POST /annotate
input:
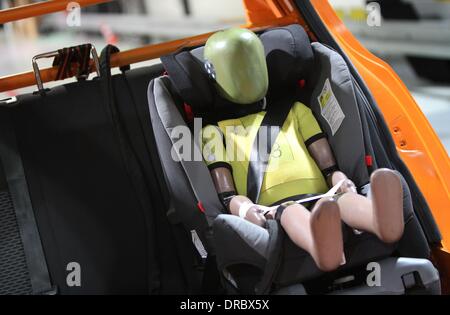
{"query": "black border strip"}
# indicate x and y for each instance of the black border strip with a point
(314, 138)
(220, 164)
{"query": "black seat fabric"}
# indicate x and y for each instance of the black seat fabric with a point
(14, 275)
(291, 59)
(90, 198)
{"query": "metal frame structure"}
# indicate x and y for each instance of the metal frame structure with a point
(41, 8)
(275, 15)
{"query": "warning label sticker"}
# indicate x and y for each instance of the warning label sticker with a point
(330, 108)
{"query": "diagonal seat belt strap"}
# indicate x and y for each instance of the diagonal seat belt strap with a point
(15, 176)
(263, 143)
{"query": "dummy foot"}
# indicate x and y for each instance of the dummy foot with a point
(387, 198)
(327, 243)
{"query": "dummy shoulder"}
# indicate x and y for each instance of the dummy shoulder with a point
(300, 109)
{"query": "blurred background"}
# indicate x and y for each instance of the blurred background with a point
(413, 36)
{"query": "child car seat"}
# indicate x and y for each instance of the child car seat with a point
(256, 260)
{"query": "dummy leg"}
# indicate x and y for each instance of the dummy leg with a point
(318, 232)
(383, 215)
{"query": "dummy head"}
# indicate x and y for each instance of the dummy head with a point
(235, 59)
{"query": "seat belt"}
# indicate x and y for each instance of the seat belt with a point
(272, 122)
(18, 188)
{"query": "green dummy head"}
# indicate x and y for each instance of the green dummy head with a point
(236, 60)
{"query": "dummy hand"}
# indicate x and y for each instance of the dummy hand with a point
(255, 214)
(347, 186)
(243, 207)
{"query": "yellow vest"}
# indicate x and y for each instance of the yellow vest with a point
(291, 170)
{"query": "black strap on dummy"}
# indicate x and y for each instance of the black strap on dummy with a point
(276, 115)
(18, 188)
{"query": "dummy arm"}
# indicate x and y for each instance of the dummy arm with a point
(323, 156)
(224, 183)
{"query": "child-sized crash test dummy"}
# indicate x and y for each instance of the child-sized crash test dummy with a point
(304, 162)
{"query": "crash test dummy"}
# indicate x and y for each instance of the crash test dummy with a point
(303, 164)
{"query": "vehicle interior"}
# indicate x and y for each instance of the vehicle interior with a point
(87, 176)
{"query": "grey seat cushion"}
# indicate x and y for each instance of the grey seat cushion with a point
(240, 241)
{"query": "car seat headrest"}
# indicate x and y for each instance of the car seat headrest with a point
(289, 56)
(189, 79)
(289, 59)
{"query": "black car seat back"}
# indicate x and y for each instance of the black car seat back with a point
(92, 185)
